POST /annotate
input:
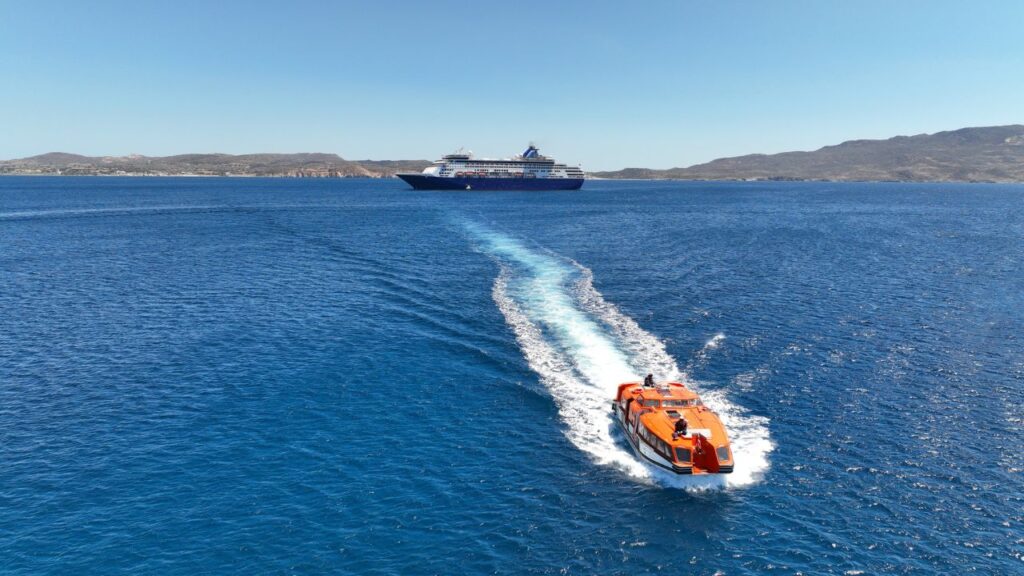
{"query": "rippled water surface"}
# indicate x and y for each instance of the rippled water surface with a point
(208, 376)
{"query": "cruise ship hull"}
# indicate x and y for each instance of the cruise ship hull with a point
(426, 182)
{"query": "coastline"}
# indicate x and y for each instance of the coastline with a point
(599, 179)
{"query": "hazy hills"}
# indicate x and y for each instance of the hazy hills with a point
(990, 154)
(297, 165)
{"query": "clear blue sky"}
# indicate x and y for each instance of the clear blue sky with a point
(604, 84)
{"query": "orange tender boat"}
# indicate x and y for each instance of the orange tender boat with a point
(670, 427)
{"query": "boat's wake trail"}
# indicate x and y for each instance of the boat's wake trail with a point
(583, 347)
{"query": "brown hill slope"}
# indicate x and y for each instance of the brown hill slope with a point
(989, 154)
(304, 164)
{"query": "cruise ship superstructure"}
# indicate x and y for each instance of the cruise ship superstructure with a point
(528, 171)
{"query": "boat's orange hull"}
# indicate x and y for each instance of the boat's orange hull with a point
(653, 418)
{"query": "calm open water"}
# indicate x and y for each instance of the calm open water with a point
(208, 376)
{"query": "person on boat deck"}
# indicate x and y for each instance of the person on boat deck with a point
(649, 381)
(680, 428)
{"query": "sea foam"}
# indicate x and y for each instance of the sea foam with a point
(583, 347)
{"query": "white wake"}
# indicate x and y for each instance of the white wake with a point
(583, 347)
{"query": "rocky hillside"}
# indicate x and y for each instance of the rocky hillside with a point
(297, 165)
(990, 154)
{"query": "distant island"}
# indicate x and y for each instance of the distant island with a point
(282, 165)
(988, 154)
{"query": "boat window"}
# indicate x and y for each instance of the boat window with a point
(659, 445)
(677, 403)
(723, 453)
(683, 454)
(649, 402)
(666, 449)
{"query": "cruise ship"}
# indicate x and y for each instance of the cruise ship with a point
(528, 171)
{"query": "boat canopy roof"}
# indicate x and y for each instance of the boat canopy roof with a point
(673, 390)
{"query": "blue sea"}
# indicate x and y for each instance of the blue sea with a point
(283, 376)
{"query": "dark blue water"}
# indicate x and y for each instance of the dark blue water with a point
(208, 376)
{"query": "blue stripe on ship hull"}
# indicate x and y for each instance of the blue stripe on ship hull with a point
(421, 182)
